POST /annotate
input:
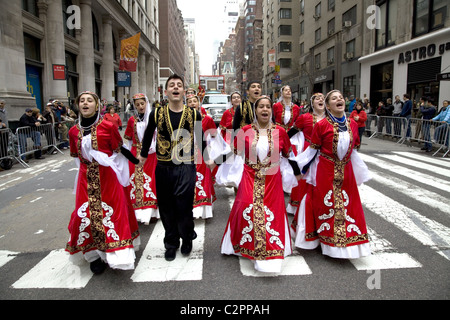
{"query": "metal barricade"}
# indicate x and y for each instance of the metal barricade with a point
(441, 137)
(7, 154)
(388, 126)
(35, 140)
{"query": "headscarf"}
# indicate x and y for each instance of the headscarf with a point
(141, 125)
(255, 118)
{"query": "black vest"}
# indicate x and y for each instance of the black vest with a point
(175, 144)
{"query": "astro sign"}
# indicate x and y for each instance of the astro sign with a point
(423, 52)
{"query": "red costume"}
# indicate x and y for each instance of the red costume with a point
(142, 189)
(103, 222)
(204, 186)
(258, 225)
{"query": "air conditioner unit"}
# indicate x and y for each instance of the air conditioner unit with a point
(317, 66)
(330, 61)
(349, 55)
(347, 24)
(316, 17)
(330, 32)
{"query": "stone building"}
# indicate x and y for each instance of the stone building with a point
(55, 49)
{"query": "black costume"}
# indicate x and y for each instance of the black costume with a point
(175, 172)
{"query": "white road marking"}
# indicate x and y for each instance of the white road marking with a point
(438, 161)
(426, 231)
(293, 265)
(428, 198)
(6, 256)
(384, 256)
(57, 272)
(418, 164)
(412, 174)
(153, 267)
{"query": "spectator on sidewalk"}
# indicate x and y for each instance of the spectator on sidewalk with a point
(439, 132)
(27, 120)
(360, 116)
(428, 111)
(113, 117)
(406, 113)
(3, 115)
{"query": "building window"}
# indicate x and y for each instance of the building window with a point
(285, 30)
(331, 26)
(318, 35)
(285, 47)
(429, 15)
(32, 47)
(317, 58)
(285, 63)
(95, 34)
(350, 86)
(31, 7)
(349, 18)
(330, 56)
(387, 34)
(285, 14)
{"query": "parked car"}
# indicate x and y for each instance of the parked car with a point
(216, 104)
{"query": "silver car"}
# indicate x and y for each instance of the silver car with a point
(215, 105)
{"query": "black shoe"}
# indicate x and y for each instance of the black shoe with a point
(98, 266)
(424, 148)
(170, 254)
(186, 247)
(40, 158)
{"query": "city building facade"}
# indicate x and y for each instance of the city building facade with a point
(407, 51)
(172, 40)
(55, 49)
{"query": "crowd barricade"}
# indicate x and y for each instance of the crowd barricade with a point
(7, 151)
(394, 127)
(32, 140)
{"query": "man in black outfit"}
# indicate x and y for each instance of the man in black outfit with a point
(175, 172)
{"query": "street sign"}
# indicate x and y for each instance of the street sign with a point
(124, 79)
(443, 76)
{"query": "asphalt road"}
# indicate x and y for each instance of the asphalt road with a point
(406, 207)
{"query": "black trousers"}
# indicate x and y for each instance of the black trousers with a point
(175, 189)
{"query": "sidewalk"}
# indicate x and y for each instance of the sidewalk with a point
(386, 144)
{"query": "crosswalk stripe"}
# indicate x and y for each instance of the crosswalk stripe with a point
(429, 198)
(418, 164)
(55, 271)
(437, 161)
(384, 256)
(6, 256)
(426, 231)
(154, 268)
(293, 265)
(412, 174)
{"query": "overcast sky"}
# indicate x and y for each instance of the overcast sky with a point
(209, 30)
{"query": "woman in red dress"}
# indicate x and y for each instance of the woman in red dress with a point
(285, 114)
(335, 172)
(258, 224)
(226, 123)
(103, 226)
(142, 189)
(204, 186)
(303, 225)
